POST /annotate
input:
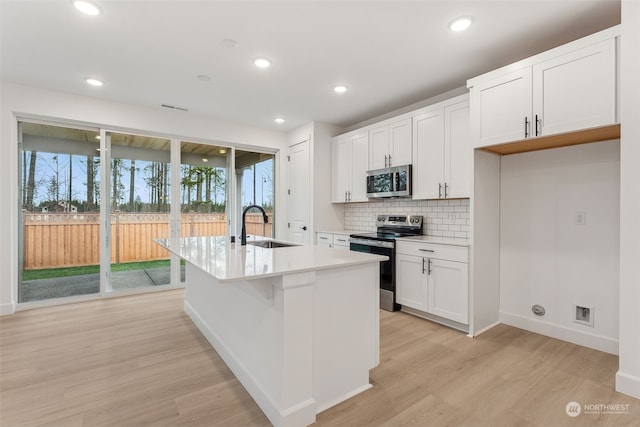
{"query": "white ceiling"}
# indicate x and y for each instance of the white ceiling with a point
(390, 53)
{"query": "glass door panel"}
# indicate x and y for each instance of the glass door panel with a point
(59, 190)
(203, 189)
(254, 184)
(139, 188)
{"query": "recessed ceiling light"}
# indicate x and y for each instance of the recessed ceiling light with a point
(205, 160)
(97, 136)
(93, 82)
(262, 62)
(279, 120)
(461, 23)
(222, 151)
(87, 7)
(340, 88)
(204, 78)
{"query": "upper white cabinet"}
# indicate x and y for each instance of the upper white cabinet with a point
(576, 90)
(570, 88)
(349, 165)
(502, 108)
(442, 151)
(390, 144)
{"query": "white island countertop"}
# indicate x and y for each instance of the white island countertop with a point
(229, 262)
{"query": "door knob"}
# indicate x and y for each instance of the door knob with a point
(304, 227)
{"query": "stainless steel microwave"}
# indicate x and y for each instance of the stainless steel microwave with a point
(389, 182)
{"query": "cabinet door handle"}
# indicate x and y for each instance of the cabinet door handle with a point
(423, 267)
(349, 196)
(537, 122)
(426, 250)
(386, 164)
(324, 238)
(446, 190)
(345, 196)
(341, 240)
(439, 190)
(389, 160)
(526, 127)
(429, 267)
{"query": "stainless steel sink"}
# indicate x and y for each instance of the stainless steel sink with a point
(270, 244)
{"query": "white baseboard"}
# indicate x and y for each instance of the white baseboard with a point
(483, 330)
(628, 384)
(7, 309)
(597, 342)
(342, 398)
(304, 413)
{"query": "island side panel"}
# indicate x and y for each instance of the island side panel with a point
(255, 326)
(346, 332)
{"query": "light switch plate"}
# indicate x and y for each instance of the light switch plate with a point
(580, 218)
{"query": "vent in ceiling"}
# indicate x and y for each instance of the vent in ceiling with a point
(173, 107)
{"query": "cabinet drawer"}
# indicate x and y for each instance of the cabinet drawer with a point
(433, 250)
(325, 238)
(341, 240)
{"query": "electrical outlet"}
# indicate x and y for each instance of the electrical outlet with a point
(580, 218)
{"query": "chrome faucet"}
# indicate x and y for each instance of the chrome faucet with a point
(243, 235)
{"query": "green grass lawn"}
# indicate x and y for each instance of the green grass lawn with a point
(90, 269)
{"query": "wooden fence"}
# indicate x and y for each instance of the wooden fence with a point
(55, 240)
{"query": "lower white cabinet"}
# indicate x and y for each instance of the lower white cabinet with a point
(433, 278)
(332, 240)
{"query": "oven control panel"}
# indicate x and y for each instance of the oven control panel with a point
(399, 220)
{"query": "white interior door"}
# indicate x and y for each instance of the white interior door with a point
(299, 193)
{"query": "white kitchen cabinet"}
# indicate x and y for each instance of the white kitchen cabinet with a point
(390, 144)
(324, 239)
(433, 279)
(332, 240)
(341, 240)
(349, 165)
(502, 109)
(576, 90)
(442, 151)
(411, 282)
(567, 89)
(448, 289)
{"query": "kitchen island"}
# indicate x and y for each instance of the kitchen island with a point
(298, 325)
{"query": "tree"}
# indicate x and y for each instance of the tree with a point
(31, 182)
(116, 184)
(132, 187)
(92, 195)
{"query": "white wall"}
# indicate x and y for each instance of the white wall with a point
(17, 100)
(545, 257)
(323, 214)
(628, 376)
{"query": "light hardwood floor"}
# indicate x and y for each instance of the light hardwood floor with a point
(139, 361)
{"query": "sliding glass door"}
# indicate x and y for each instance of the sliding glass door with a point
(93, 202)
(139, 209)
(60, 192)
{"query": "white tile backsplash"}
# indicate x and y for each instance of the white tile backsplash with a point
(447, 218)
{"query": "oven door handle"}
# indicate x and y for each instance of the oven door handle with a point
(374, 243)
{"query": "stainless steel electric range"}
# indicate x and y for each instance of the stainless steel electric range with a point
(383, 242)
